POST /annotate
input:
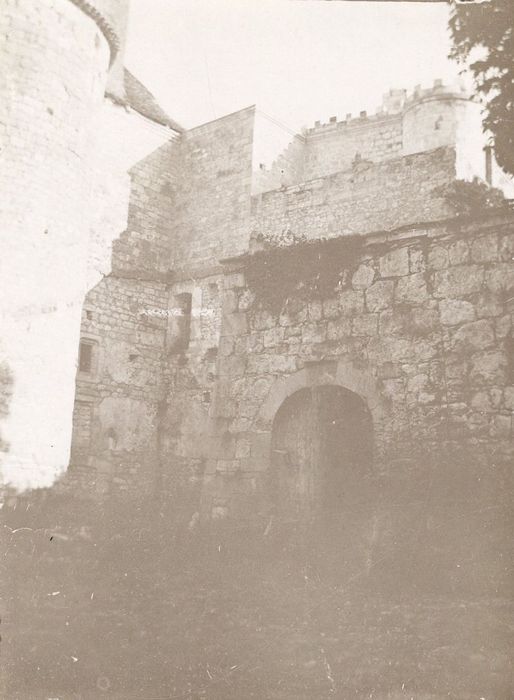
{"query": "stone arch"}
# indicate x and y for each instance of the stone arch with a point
(342, 373)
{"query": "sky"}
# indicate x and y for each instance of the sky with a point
(297, 60)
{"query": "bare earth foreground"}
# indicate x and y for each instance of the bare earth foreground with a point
(119, 606)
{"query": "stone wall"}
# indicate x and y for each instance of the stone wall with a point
(125, 318)
(364, 198)
(437, 117)
(420, 327)
(145, 248)
(212, 204)
(189, 202)
(117, 403)
(333, 146)
(417, 323)
(286, 170)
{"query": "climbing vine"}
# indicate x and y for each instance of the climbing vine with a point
(306, 270)
(470, 199)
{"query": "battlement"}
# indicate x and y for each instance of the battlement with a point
(406, 122)
(394, 103)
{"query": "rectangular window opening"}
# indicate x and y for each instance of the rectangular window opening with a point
(86, 357)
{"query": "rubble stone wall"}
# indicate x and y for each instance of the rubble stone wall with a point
(420, 328)
(364, 198)
(115, 441)
(212, 205)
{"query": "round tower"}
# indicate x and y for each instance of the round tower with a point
(55, 57)
(446, 116)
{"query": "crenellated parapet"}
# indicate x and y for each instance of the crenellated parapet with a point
(407, 122)
(394, 104)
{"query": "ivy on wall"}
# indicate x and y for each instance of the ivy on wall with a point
(306, 270)
(473, 198)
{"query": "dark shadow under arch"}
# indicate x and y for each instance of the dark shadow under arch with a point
(321, 452)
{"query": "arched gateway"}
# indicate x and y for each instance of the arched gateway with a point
(321, 452)
(320, 428)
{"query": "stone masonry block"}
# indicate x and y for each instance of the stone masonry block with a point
(456, 311)
(458, 281)
(363, 277)
(380, 295)
(351, 302)
(509, 398)
(234, 280)
(488, 368)
(458, 253)
(395, 263)
(485, 248)
(337, 330)
(500, 278)
(470, 337)
(366, 324)
(331, 308)
(437, 258)
(235, 324)
(411, 289)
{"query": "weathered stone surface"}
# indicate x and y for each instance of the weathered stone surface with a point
(342, 328)
(351, 302)
(395, 263)
(230, 301)
(416, 260)
(481, 401)
(365, 324)
(331, 308)
(489, 304)
(501, 427)
(315, 310)
(458, 252)
(458, 281)
(380, 295)
(421, 321)
(234, 280)
(246, 300)
(261, 387)
(456, 311)
(263, 319)
(438, 258)
(488, 367)
(485, 248)
(408, 333)
(226, 346)
(363, 277)
(503, 326)
(235, 324)
(314, 333)
(500, 278)
(509, 398)
(411, 289)
(470, 337)
(272, 337)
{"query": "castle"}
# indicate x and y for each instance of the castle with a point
(251, 314)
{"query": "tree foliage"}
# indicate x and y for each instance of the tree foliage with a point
(483, 38)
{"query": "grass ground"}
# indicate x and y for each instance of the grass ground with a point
(122, 609)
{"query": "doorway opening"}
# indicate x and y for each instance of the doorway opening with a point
(322, 453)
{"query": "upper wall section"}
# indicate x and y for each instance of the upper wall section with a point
(362, 199)
(437, 117)
(212, 191)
